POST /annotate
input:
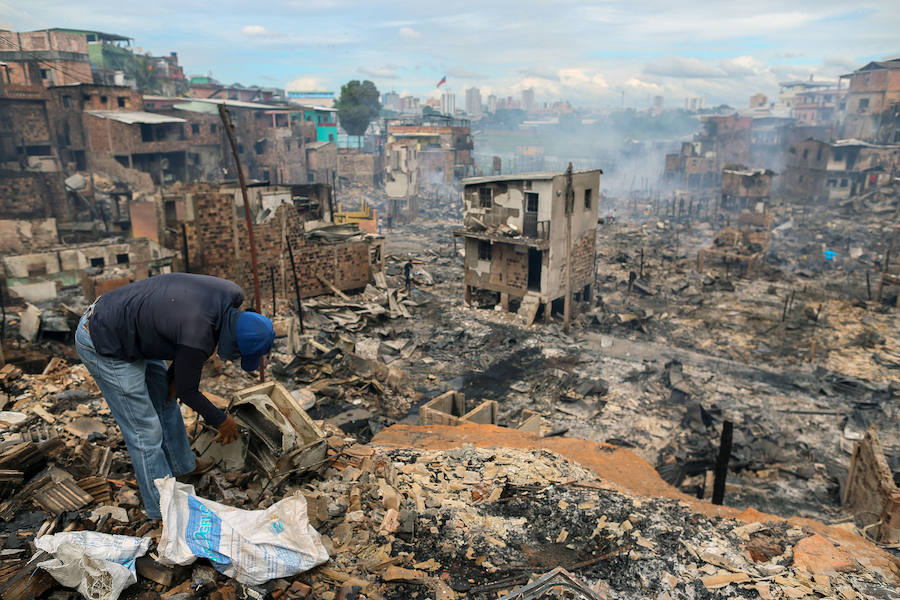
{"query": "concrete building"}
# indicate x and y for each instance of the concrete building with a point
(492, 104)
(819, 107)
(818, 171)
(391, 101)
(410, 106)
(443, 148)
(519, 234)
(528, 100)
(790, 89)
(448, 103)
(321, 98)
(874, 93)
(473, 102)
(745, 188)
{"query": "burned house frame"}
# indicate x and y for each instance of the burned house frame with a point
(516, 241)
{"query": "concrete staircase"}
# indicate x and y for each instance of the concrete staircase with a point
(529, 307)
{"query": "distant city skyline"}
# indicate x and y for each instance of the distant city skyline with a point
(587, 54)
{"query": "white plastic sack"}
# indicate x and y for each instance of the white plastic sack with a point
(251, 546)
(100, 565)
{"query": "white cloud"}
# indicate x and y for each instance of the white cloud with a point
(409, 33)
(683, 66)
(583, 80)
(257, 30)
(643, 86)
(379, 72)
(307, 84)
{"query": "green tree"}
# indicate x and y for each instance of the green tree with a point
(357, 105)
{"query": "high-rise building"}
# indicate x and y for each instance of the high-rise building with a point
(492, 104)
(448, 103)
(658, 103)
(473, 101)
(693, 103)
(528, 100)
(409, 105)
(391, 101)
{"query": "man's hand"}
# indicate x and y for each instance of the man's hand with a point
(228, 431)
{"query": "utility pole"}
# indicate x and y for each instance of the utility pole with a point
(229, 129)
(570, 207)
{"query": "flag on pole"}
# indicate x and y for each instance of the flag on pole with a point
(442, 81)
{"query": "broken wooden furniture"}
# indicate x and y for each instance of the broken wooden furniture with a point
(284, 439)
(450, 409)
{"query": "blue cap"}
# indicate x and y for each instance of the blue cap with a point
(255, 334)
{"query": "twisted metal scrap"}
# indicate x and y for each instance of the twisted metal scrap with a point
(558, 577)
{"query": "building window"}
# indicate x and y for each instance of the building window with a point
(819, 154)
(805, 152)
(195, 128)
(103, 99)
(587, 198)
(484, 197)
(863, 104)
(122, 259)
(843, 182)
(98, 262)
(240, 148)
(45, 73)
(212, 128)
(86, 97)
(287, 145)
(330, 137)
(67, 101)
(123, 101)
(531, 201)
(484, 250)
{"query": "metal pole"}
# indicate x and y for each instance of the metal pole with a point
(718, 495)
(229, 129)
(187, 263)
(570, 207)
(296, 285)
(274, 299)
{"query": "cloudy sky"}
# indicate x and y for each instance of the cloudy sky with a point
(590, 53)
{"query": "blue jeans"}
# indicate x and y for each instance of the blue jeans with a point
(152, 428)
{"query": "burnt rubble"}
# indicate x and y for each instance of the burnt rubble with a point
(795, 355)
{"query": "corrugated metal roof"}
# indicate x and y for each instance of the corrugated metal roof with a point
(235, 103)
(132, 117)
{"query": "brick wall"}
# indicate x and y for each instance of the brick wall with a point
(583, 253)
(218, 245)
(27, 235)
(360, 168)
(29, 121)
(30, 195)
(508, 268)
